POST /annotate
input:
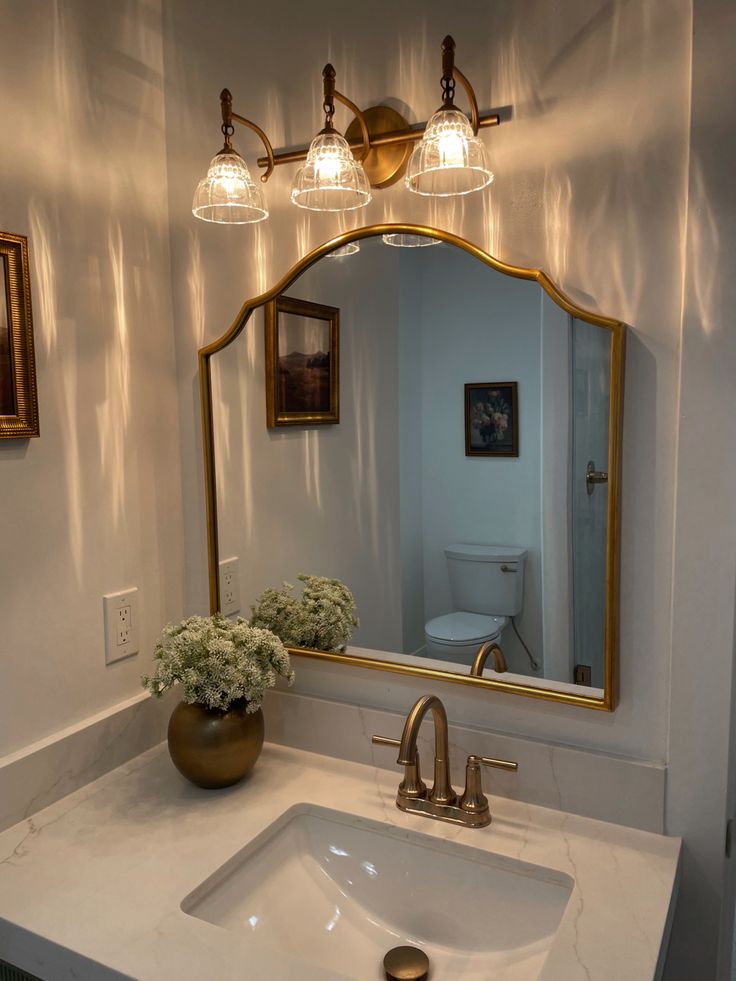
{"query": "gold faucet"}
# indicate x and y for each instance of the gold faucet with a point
(469, 809)
(479, 662)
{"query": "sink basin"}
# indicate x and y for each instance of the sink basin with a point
(339, 891)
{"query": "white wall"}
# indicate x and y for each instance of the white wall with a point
(94, 505)
(320, 500)
(701, 685)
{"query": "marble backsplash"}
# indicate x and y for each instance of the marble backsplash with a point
(625, 791)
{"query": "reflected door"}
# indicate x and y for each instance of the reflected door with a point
(590, 363)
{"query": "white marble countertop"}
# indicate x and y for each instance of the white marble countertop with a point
(91, 887)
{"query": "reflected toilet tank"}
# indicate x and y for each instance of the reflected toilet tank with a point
(487, 579)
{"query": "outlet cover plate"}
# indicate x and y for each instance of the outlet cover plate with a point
(230, 585)
(121, 624)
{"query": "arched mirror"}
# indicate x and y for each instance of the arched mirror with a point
(441, 432)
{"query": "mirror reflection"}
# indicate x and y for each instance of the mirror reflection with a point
(458, 484)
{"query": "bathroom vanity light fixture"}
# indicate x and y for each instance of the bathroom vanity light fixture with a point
(339, 171)
(228, 194)
(450, 159)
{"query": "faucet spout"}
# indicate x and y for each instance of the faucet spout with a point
(442, 791)
(492, 649)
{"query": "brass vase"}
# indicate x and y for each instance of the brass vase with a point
(215, 747)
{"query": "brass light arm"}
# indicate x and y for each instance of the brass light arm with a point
(361, 120)
(228, 117)
(269, 162)
(474, 114)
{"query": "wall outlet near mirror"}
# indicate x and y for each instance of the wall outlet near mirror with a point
(121, 625)
(230, 585)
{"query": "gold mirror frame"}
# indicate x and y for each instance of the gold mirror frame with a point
(23, 422)
(618, 338)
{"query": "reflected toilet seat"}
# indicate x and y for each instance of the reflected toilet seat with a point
(457, 636)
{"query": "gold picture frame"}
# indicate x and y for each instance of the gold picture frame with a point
(303, 382)
(617, 331)
(18, 394)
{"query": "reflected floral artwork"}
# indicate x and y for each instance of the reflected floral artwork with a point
(491, 419)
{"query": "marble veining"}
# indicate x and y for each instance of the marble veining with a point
(58, 765)
(91, 887)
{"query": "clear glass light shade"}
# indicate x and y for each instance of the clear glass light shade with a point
(403, 240)
(331, 178)
(342, 250)
(449, 159)
(228, 194)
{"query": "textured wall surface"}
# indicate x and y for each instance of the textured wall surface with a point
(94, 505)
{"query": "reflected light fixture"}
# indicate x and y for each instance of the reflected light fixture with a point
(405, 240)
(332, 179)
(338, 172)
(342, 250)
(227, 194)
(450, 159)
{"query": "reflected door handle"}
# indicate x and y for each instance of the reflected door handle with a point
(593, 477)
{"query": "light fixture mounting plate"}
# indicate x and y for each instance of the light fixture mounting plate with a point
(385, 164)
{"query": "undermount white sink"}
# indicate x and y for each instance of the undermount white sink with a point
(339, 891)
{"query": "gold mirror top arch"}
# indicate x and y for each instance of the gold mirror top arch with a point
(617, 330)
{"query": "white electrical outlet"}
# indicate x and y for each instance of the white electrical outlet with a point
(121, 624)
(230, 585)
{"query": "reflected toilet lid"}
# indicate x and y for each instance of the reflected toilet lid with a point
(464, 628)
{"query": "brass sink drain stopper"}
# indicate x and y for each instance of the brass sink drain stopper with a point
(406, 964)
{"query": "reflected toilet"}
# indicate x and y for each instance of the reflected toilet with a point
(487, 586)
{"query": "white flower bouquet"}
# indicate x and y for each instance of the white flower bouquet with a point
(323, 619)
(218, 662)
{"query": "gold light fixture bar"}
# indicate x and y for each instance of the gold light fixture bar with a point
(394, 138)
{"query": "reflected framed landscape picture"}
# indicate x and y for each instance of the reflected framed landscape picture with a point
(302, 363)
(491, 419)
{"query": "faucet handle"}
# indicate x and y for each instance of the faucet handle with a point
(385, 741)
(473, 800)
(412, 786)
(499, 764)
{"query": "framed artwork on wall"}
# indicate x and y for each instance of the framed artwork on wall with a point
(18, 398)
(302, 363)
(491, 419)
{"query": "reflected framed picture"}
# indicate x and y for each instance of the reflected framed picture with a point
(18, 398)
(491, 419)
(302, 363)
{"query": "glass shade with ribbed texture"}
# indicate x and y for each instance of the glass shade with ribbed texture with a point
(449, 159)
(228, 194)
(331, 178)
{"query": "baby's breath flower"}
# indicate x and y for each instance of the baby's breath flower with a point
(218, 661)
(322, 620)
